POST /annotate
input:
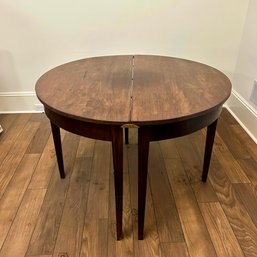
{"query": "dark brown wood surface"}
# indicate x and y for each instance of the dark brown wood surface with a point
(133, 89)
(168, 88)
(94, 89)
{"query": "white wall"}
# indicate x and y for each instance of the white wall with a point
(37, 35)
(245, 73)
(246, 68)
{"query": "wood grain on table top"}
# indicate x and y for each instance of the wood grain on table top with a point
(133, 89)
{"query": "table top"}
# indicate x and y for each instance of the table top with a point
(138, 89)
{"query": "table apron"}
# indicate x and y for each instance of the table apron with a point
(156, 132)
(82, 128)
(181, 128)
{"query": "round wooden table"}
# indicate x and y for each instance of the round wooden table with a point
(163, 97)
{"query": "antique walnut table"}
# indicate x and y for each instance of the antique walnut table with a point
(163, 97)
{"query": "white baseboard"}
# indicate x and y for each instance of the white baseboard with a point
(243, 113)
(19, 102)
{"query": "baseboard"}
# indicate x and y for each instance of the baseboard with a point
(243, 113)
(19, 102)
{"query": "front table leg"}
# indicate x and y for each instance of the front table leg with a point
(143, 152)
(117, 150)
(211, 130)
(58, 148)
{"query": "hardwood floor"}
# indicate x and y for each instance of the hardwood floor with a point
(42, 215)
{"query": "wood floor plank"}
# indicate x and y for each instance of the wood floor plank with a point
(169, 229)
(245, 140)
(132, 156)
(97, 205)
(133, 136)
(196, 235)
(15, 155)
(6, 121)
(8, 139)
(41, 136)
(48, 223)
(174, 250)
(233, 169)
(218, 218)
(46, 164)
(45, 167)
(15, 125)
(37, 117)
(204, 192)
(124, 247)
(47, 227)
(150, 246)
(223, 238)
(23, 225)
(226, 115)
(235, 211)
(71, 228)
(249, 166)
(14, 193)
(193, 162)
(168, 148)
(231, 140)
(42, 256)
(94, 241)
(21, 142)
(86, 147)
(190, 159)
(248, 196)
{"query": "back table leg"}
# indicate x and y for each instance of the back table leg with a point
(211, 130)
(58, 148)
(126, 136)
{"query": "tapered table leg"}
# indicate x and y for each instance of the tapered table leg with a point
(143, 152)
(117, 149)
(211, 130)
(58, 148)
